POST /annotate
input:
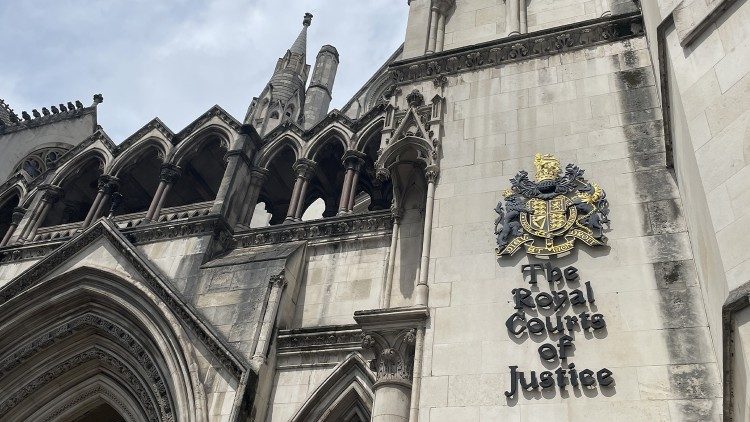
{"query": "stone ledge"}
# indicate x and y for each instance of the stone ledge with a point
(320, 231)
(319, 339)
(392, 318)
(520, 47)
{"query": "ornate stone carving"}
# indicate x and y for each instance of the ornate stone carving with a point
(108, 184)
(153, 412)
(18, 213)
(304, 168)
(374, 223)
(394, 355)
(536, 44)
(113, 331)
(169, 173)
(415, 98)
(161, 289)
(84, 395)
(346, 337)
(52, 194)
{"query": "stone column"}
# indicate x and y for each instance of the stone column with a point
(50, 196)
(107, 185)
(258, 177)
(421, 292)
(304, 169)
(385, 302)
(353, 162)
(433, 29)
(278, 283)
(167, 178)
(389, 337)
(15, 220)
(514, 17)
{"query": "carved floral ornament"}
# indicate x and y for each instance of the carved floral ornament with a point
(393, 355)
(523, 47)
(536, 213)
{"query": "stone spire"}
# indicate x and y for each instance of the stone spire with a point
(300, 44)
(283, 98)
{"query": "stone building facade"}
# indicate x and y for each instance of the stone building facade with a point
(422, 254)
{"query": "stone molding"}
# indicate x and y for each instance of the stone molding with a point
(737, 300)
(155, 123)
(198, 221)
(390, 335)
(105, 358)
(373, 223)
(113, 331)
(519, 47)
(214, 111)
(84, 395)
(319, 339)
(106, 229)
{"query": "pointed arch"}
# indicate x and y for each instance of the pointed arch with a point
(195, 141)
(346, 395)
(418, 149)
(268, 152)
(364, 135)
(130, 156)
(88, 322)
(333, 133)
(74, 165)
(112, 312)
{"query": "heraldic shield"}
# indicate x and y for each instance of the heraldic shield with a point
(547, 215)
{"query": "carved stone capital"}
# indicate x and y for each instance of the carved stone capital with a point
(17, 216)
(390, 336)
(383, 174)
(279, 280)
(353, 160)
(169, 173)
(393, 355)
(443, 6)
(304, 168)
(431, 173)
(108, 184)
(258, 176)
(52, 194)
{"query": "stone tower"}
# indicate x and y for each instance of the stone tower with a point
(284, 95)
(318, 96)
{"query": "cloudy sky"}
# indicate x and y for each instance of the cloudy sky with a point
(174, 59)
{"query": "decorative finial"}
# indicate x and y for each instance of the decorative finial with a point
(98, 98)
(307, 20)
(547, 167)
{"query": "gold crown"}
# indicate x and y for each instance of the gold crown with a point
(507, 193)
(547, 167)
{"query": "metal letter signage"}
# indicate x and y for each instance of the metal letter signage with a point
(553, 206)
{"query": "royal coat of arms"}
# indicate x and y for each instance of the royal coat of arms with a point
(548, 214)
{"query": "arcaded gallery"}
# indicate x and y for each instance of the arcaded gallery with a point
(534, 210)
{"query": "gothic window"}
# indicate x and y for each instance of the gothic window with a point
(275, 115)
(40, 160)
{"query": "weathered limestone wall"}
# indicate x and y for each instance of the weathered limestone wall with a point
(341, 278)
(476, 21)
(16, 145)
(597, 108)
(706, 64)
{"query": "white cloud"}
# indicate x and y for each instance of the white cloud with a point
(175, 59)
